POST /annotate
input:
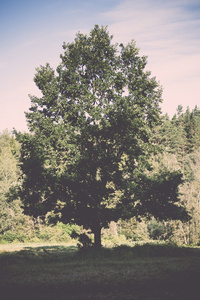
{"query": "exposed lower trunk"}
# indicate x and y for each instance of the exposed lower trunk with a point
(97, 237)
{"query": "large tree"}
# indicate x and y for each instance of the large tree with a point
(90, 132)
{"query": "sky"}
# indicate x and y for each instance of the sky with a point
(32, 33)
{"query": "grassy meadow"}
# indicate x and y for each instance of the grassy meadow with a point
(62, 272)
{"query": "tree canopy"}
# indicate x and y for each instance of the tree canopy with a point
(91, 135)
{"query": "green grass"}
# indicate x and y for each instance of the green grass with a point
(61, 272)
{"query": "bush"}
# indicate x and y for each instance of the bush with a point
(114, 240)
(156, 229)
(141, 232)
(67, 229)
(58, 233)
(39, 233)
(8, 237)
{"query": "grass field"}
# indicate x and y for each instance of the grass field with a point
(62, 272)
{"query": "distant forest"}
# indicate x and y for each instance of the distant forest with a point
(178, 141)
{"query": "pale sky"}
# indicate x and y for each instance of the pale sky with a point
(32, 33)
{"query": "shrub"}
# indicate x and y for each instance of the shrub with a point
(156, 229)
(141, 232)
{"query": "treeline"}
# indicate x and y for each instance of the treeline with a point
(179, 139)
(181, 134)
(177, 142)
(14, 224)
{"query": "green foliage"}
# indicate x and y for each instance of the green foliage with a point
(189, 195)
(11, 213)
(98, 153)
(156, 229)
(90, 132)
(127, 227)
(133, 229)
(68, 228)
(141, 232)
(181, 134)
(159, 196)
(8, 162)
(32, 231)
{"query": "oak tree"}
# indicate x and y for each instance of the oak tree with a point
(90, 132)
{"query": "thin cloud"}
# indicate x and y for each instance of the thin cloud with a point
(169, 34)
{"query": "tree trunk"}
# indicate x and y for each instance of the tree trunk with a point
(97, 237)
